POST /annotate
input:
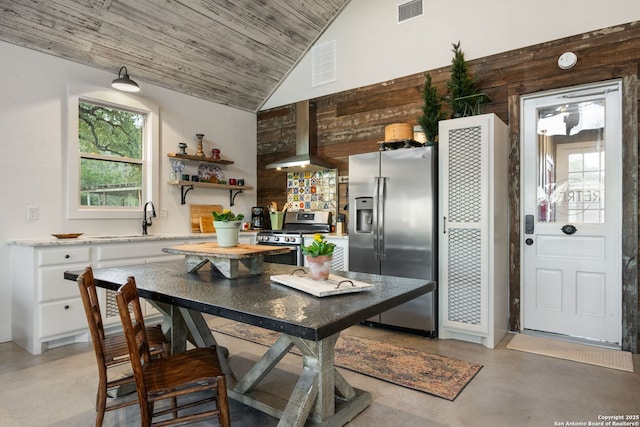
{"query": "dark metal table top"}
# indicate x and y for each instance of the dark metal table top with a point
(258, 301)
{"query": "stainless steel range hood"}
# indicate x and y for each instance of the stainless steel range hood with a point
(306, 158)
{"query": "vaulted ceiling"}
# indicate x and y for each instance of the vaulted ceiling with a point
(229, 52)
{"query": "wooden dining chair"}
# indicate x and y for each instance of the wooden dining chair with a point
(111, 350)
(194, 371)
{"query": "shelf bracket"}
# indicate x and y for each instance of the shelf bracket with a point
(184, 193)
(232, 197)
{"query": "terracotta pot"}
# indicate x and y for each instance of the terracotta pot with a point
(319, 267)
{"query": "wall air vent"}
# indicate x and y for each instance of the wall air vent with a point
(323, 64)
(409, 10)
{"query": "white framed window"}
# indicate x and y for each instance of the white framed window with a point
(112, 141)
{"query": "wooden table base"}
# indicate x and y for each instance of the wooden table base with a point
(321, 393)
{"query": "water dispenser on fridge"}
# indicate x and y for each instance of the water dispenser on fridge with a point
(364, 215)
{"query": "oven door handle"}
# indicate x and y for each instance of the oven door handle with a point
(296, 249)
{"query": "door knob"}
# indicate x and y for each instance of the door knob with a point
(568, 229)
(529, 241)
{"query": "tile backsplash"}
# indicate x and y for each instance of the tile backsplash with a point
(313, 190)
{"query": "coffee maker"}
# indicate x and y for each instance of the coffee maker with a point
(257, 217)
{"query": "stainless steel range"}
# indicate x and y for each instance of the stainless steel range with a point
(296, 225)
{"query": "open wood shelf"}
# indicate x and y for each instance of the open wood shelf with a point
(211, 185)
(186, 186)
(199, 159)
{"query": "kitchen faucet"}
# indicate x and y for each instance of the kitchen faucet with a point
(148, 223)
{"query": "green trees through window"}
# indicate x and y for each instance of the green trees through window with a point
(110, 142)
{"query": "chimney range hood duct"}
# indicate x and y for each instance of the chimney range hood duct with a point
(306, 143)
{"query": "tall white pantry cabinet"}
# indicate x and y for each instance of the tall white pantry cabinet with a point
(474, 229)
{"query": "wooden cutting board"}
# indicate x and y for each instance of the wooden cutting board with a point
(206, 224)
(197, 211)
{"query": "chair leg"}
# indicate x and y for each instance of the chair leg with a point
(146, 414)
(223, 403)
(101, 401)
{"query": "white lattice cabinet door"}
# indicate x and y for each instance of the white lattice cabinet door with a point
(473, 211)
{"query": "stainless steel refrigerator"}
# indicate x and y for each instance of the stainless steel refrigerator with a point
(392, 226)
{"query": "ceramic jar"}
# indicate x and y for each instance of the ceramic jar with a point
(227, 233)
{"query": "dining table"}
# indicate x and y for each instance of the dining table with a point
(312, 324)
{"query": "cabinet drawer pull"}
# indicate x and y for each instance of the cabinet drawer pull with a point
(67, 256)
(67, 306)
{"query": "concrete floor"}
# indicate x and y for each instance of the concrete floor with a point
(57, 388)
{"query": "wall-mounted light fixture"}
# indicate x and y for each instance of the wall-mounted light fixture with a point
(124, 83)
(567, 60)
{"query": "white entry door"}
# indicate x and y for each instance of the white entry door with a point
(572, 212)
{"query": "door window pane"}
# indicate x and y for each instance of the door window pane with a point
(571, 169)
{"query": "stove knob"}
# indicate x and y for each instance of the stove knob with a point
(275, 239)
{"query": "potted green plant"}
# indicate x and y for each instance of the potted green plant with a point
(227, 225)
(461, 83)
(431, 110)
(319, 256)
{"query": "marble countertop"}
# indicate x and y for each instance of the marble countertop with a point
(111, 238)
(124, 238)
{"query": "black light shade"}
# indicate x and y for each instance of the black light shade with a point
(124, 83)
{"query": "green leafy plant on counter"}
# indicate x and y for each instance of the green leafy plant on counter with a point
(227, 216)
(319, 247)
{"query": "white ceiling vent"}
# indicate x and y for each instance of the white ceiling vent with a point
(409, 10)
(323, 64)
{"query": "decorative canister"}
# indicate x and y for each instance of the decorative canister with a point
(398, 132)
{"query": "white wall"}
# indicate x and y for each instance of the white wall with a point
(372, 48)
(32, 90)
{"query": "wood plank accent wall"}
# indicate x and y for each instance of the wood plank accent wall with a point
(352, 122)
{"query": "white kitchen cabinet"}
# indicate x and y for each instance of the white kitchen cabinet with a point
(109, 255)
(247, 237)
(47, 310)
(340, 260)
(473, 243)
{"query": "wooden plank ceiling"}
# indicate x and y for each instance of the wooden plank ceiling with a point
(229, 52)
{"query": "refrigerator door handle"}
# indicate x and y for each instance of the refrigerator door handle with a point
(382, 194)
(376, 234)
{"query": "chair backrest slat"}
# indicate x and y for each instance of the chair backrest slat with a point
(134, 331)
(90, 302)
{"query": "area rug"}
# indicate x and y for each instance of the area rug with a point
(592, 355)
(429, 373)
